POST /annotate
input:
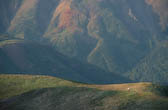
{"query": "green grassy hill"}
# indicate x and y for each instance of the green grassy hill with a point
(25, 92)
(12, 85)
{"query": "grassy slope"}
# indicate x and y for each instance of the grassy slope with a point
(18, 84)
(58, 94)
(12, 85)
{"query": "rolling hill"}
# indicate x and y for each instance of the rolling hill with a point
(44, 92)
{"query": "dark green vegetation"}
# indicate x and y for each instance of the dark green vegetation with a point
(125, 37)
(154, 66)
(42, 92)
(18, 56)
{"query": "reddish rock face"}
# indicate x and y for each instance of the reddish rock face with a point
(8, 10)
(160, 7)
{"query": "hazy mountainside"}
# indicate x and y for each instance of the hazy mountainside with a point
(154, 66)
(115, 35)
(42, 92)
(160, 7)
(8, 9)
(26, 57)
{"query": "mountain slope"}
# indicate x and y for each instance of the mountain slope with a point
(153, 67)
(98, 33)
(115, 35)
(18, 56)
(8, 10)
(85, 97)
(160, 7)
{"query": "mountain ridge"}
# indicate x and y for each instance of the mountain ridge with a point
(113, 35)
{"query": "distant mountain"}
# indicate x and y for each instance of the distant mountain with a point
(8, 10)
(26, 57)
(153, 67)
(42, 92)
(115, 35)
(160, 7)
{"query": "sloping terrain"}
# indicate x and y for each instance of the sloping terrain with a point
(160, 7)
(154, 66)
(103, 34)
(8, 10)
(115, 35)
(18, 56)
(53, 93)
